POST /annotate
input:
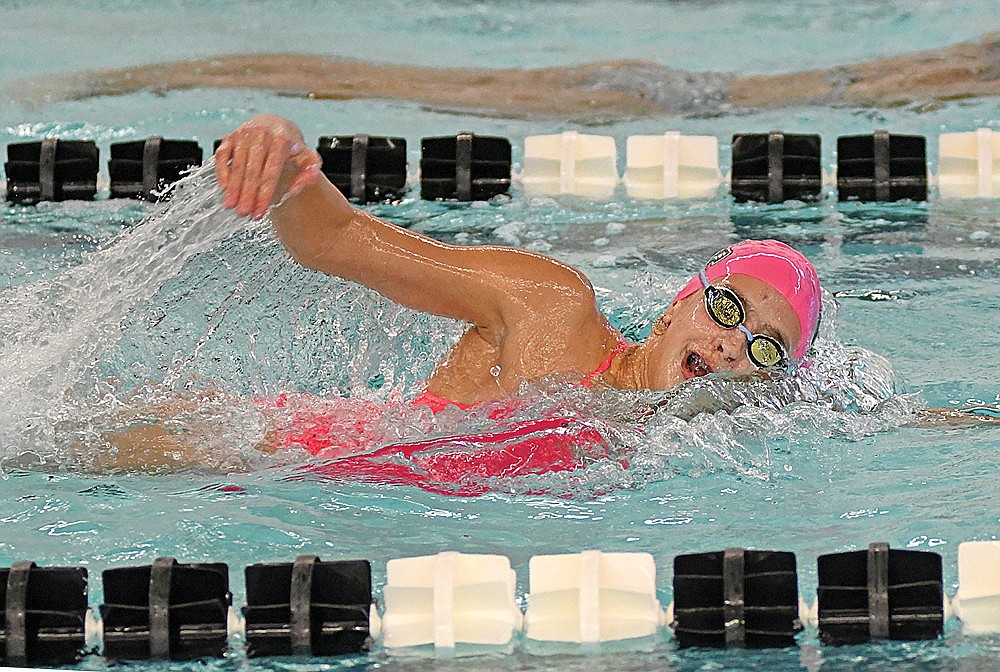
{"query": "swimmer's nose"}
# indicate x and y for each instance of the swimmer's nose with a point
(731, 345)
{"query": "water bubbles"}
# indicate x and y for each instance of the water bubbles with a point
(876, 295)
(510, 233)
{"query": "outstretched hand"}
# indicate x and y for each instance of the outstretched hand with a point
(261, 161)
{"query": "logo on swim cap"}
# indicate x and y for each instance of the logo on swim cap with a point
(719, 256)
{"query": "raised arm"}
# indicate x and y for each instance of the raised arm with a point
(266, 161)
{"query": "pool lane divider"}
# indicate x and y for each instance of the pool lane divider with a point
(969, 164)
(453, 602)
(671, 165)
(771, 167)
(759, 605)
(365, 168)
(43, 617)
(592, 597)
(880, 594)
(51, 170)
(306, 607)
(977, 602)
(776, 167)
(143, 168)
(440, 600)
(166, 610)
(464, 167)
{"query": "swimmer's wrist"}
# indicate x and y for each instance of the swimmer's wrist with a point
(301, 169)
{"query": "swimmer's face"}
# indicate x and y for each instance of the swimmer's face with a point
(687, 342)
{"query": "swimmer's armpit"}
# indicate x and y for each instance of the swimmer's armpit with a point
(589, 92)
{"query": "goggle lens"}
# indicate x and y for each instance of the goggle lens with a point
(765, 352)
(726, 309)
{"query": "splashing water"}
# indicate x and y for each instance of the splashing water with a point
(192, 301)
(747, 427)
(55, 330)
(187, 317)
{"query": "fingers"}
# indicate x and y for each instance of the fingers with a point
(251, 159)
(269, 175)
(237, 167)
(223, 159)
(256, 156)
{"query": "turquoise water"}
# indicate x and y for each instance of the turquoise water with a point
(89, 314)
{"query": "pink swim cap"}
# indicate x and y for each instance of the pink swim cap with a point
(779, 266)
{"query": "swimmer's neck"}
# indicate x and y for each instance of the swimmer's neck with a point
(627, 370)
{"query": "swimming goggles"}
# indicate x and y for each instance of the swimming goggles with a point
(726, 310)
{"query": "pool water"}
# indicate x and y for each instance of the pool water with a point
(112, 303)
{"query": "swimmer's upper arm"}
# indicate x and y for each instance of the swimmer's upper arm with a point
(484, 285)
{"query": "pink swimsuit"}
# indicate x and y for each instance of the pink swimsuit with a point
(452, 465)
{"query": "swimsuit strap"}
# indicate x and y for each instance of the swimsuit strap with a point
(606, 364)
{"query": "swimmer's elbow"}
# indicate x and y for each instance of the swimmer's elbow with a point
(572, 288)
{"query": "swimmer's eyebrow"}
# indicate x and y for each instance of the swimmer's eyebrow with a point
(770, 330)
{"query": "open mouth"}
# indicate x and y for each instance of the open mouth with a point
(695, 366)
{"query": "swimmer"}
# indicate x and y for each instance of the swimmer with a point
(752, 310)
(754, 307)
(582, 93)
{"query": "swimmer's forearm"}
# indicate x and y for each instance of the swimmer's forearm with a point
(307, 223)
(264, 165)
(484, 285)
(321, 230)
